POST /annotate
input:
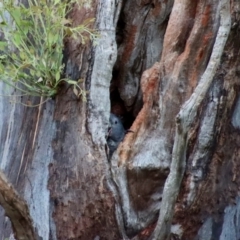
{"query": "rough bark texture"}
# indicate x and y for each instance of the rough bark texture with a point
(143, 160)
(148, 65)
(17, 210)
(54, 154)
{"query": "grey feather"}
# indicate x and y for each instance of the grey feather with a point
(116, 133)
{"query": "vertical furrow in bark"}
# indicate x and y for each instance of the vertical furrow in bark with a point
(19, 149)
(184, 121)
(140, 48)
(83, 206)
(146, 157)
(181, 70)
(142, 26)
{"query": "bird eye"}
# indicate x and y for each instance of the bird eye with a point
(116, 122)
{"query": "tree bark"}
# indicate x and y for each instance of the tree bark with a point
(171, 69)
(17, 211)
(184, 120)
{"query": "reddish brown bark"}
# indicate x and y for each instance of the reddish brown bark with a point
(164, 49)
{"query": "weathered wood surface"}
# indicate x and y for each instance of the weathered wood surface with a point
(17, 211)
(54, 154)
(143, 160)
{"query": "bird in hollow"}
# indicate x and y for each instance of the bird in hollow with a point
(116, 133)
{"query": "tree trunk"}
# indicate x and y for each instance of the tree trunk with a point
(171, 70)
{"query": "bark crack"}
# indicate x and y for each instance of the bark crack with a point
(184, 120)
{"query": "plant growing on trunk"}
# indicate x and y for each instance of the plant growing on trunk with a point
(31, 58)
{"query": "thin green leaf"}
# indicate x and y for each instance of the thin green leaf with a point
(36, 43)
(72, 82)
(57, 76)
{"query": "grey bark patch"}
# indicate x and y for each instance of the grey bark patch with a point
(105, 57)
(205, 232)
(236, 115)
(231, 223)
(36, 191)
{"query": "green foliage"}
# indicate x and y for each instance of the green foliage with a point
(31, 53)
